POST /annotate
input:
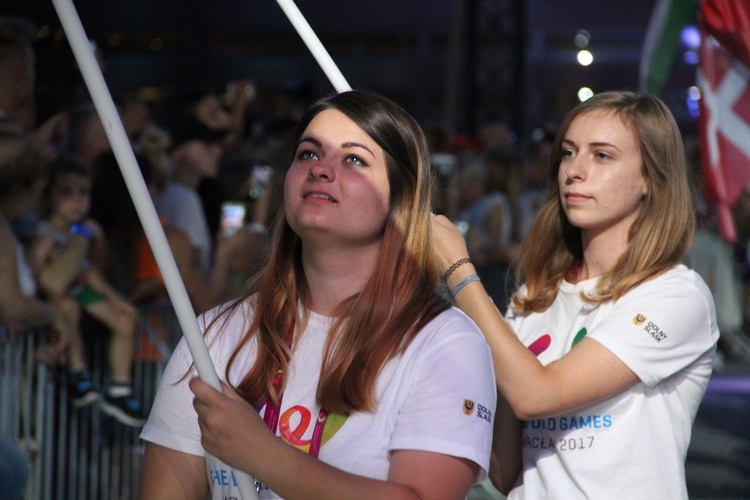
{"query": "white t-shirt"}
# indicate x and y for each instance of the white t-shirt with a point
(26, 280)
(438, 396)
(183, 208)
(632, 445)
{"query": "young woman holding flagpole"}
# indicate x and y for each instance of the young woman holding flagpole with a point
(342, 349)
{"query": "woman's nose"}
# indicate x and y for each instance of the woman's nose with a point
(322, 169)
(574, 169)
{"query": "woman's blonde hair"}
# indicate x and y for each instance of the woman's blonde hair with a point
(398, 299)
(659, 237)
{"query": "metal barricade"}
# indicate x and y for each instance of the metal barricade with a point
(79, 453)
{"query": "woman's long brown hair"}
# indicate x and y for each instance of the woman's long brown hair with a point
(659, 237)
(399, 298)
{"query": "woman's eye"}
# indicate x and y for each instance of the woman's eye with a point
(356, 160)
(567, 153)
(306, 154)
(602, 156)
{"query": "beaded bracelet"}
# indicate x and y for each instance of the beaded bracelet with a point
(454, 266)
(463, 283)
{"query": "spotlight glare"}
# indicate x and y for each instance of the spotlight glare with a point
(585, 57)
(585, 93)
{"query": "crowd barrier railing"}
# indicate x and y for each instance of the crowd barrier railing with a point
(79, 453)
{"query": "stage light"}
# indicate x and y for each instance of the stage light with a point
(585, 93)
(585, 57)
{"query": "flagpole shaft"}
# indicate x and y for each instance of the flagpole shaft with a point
(131, 173)
(314, 45)
(123, 152)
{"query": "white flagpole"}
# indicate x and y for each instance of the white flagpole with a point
(123, 152)
(313, 44)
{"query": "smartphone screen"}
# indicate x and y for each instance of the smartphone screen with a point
(259, 179)
(232, 217)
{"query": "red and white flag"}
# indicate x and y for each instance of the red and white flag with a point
(724, 79)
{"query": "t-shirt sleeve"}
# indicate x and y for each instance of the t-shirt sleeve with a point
(451, 400)
(172, 422)
(661, 326)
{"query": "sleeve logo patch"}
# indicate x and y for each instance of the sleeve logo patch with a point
(653, 329)
(468, 406)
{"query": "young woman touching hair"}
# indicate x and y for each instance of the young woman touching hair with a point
(605, 352)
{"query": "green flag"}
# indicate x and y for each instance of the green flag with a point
(662, 39)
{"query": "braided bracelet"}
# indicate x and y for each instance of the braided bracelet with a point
(454, 266)
(463, 283)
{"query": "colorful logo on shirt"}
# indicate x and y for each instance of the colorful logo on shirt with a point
(468, 406)
(639, 319)
(541, 344)
(579, 336)
(297, 420)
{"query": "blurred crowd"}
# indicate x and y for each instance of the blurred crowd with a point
(74, 258)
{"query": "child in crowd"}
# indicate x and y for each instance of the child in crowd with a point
(22, 180)
(59, 257)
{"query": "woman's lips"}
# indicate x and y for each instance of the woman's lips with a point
(320, 196)
(575, 197)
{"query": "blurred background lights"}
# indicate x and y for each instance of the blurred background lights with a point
(582, 39)
(693, 100)
(156, 45)
(690, 38)
(537, 134)
(690, 57)
(114, 40)
(585, 57)
(585, 93)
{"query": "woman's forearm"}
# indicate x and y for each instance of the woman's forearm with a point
(518, 373)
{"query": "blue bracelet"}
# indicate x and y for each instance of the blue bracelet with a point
(81, 230)
(463, 283)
